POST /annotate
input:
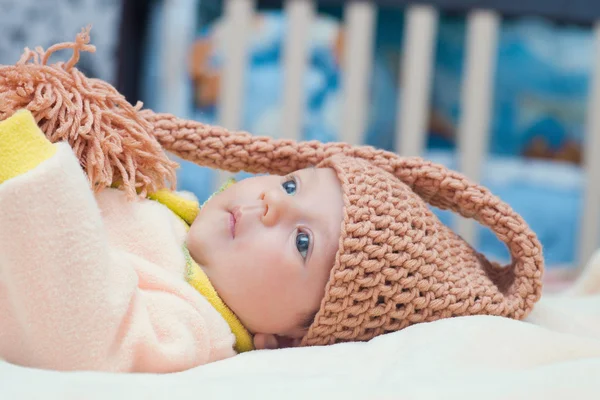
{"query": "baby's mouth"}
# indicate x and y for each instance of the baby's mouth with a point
(234, 216)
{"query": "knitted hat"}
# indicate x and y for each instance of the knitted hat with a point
(396, 264)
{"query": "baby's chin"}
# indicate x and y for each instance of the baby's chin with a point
(194, 247)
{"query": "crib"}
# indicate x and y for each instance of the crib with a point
(420, 26)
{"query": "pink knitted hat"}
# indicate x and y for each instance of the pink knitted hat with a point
(396, 264)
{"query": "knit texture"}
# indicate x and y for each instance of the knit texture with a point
(396, 264)
(106, 133)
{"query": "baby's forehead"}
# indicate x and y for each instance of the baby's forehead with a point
(310, 168)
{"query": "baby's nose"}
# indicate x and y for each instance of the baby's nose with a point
(277, 205)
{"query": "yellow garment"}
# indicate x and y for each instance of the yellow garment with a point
(23, 146)
(187, 210)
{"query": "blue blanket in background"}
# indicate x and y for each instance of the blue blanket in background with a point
(540, 95)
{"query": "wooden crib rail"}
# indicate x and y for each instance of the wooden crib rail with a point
(590, 216)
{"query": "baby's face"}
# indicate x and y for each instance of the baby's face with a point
(268, 244)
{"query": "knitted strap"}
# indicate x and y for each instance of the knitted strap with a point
(217, 147)
(521, 282)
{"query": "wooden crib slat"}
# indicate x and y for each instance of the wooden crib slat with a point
(476, 101)
(590, 229)
(415, 73)
(300, 15)
(238, 16)
(358, 55)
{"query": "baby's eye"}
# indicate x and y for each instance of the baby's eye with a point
(302, 243)
(289, 186)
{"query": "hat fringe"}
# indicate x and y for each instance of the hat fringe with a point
(112, 141)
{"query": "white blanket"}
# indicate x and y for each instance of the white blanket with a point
(554, 355)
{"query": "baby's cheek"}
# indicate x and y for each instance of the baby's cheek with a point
(283, 286)
(262, 264)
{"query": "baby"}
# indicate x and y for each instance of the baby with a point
(103, 283)
(346, 250)
(103, 269)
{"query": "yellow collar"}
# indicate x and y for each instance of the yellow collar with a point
(187, 210)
